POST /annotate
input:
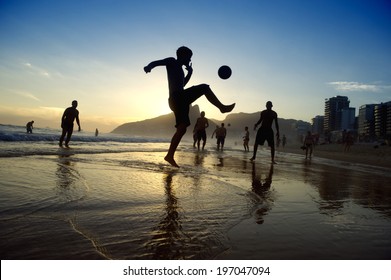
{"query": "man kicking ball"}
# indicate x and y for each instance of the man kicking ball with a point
(180, 98)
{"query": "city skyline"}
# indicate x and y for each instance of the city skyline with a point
(294, 53)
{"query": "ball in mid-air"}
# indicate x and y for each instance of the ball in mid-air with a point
(224, 72)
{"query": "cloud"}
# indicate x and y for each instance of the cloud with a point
(345, 86)
(37, 70)
(27, 95)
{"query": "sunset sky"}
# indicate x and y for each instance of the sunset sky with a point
(294, 53)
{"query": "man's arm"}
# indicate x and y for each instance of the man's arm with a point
(207, 124)
(258, 122)
(189, 73)
(155, 63)
(78, 121)
(277, 127)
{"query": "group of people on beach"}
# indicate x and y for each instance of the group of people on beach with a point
(179, 101)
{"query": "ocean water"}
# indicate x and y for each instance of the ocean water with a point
(114, 197)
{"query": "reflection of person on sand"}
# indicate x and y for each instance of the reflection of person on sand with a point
(69, 116)
(180, 98)
(168, 238)
(265, 132)
(349, 140)
(199, 130)
(263, 191)
(29, 127)
(308, 144)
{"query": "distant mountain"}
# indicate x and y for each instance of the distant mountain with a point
(163, 126)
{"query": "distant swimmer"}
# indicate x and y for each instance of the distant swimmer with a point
(180, 98)
(69, 116)
(29, 127)
(200, 130)
(265, 132)
(96, 132)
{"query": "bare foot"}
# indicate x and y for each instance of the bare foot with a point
(171, 161)
(252, 159)
(274, 162)
(228, 108)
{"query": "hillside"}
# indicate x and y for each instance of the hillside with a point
(163, 126)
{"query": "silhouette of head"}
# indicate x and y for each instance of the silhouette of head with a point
(184, 54)
(269, 105)
(74, 103)
(222, 125)
(202, 114)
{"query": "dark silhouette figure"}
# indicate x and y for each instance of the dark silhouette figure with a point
(265, 132)
(180, 98)
(221, 133)
(96, 132)
(69, 116)
(199, 130)
(246, 139)
(283, 141)
(29, 127)
(308, 144)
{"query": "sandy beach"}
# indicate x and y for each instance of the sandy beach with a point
(90, 203)
(364, 153)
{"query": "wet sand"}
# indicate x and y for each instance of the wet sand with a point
(369, 154)
(218, 205)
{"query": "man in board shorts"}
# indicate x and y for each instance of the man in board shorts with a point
(265, 132)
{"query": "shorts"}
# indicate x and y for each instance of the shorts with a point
(179, 102)
(220, 140)
(201, 135)
(265, 134)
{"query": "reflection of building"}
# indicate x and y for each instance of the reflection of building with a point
(333, 112)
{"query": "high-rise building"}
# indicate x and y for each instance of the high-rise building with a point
(366, 122)
(333, 112)
(382, 120)
(318, 124)
(348, 118)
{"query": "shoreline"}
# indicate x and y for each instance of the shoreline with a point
(359, 153)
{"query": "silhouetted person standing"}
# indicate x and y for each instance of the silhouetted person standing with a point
(69, 116)
(29, 127)
(180, 98)
(265, 132)
(221, 133)
(199, 129)
(246, 139)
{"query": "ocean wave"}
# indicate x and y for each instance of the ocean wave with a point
(11, 133)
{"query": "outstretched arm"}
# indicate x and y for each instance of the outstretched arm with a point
(153, 64)
(78, 121)
(277, 127)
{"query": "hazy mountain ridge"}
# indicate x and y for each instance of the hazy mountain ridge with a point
(163, 126)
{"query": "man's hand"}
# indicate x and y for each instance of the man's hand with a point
(147, 69)
(189, 68)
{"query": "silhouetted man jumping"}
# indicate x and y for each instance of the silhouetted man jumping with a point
(180, 98)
